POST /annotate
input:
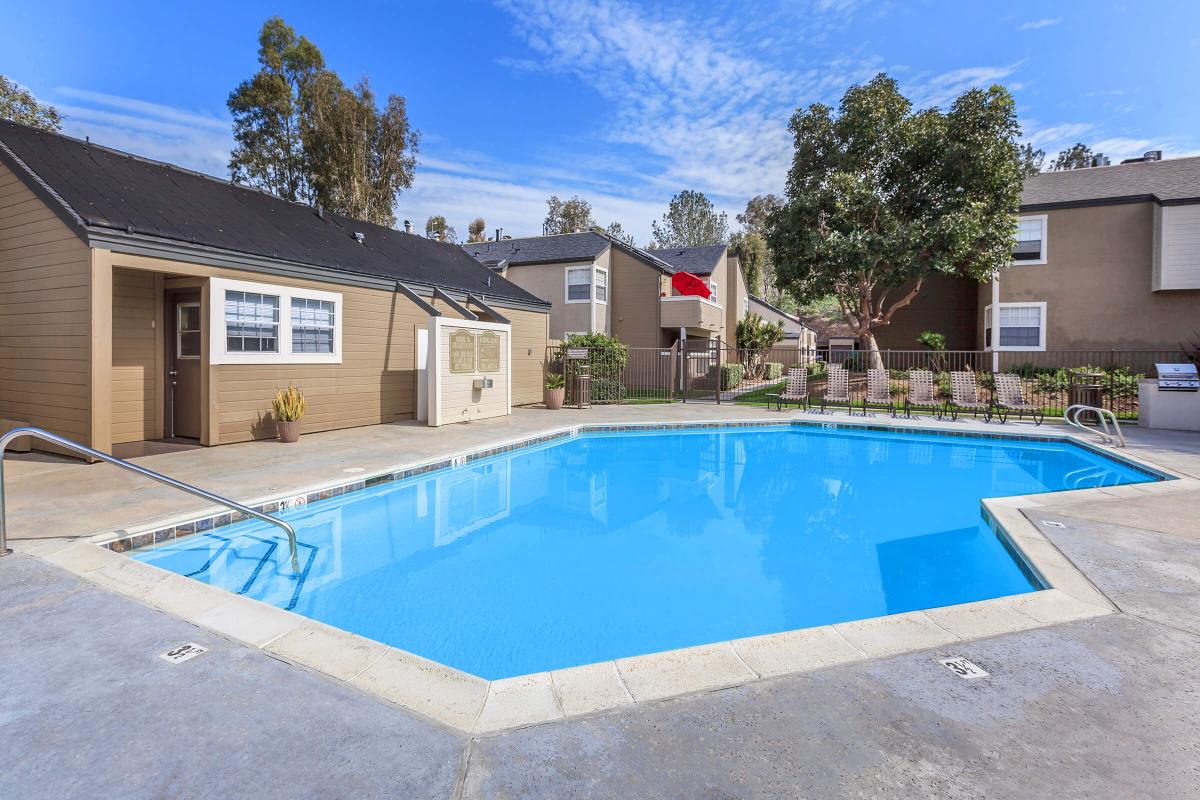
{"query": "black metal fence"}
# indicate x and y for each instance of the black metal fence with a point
(709, 371)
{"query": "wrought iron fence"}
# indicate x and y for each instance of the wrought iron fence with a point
(707, 370)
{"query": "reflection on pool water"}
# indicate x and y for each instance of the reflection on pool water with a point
(617, 544)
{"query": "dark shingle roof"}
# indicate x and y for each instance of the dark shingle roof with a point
(780, 311)
(696, 260)
(119, 192)
(583, 246)
(1170, 179)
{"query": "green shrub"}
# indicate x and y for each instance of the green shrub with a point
(607, 356)
(731, 376)
(774, 370)
(816, 368)
(856, 362)
(607, 390)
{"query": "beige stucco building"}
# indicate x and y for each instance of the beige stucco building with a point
(141, 301)
(596, 283)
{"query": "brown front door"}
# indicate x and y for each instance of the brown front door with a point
(184, 334)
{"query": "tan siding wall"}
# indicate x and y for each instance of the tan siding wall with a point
(376, 381)
(45, 319)
(135, 398)
(548, 282)
(633, 300)
(530, 332)
(734, 298)
(1096, 283)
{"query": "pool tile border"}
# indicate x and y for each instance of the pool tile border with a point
(475, 706)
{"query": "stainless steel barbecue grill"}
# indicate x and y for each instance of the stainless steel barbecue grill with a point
(1178, 378)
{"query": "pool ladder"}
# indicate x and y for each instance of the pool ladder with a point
(1109, 436)
(47, 436)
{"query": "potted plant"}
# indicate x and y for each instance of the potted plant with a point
(288, 406)
(555, 390)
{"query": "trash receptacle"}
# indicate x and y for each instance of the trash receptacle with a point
(581, 392)
(1087, 389)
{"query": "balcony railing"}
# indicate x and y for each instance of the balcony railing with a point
(696, 313)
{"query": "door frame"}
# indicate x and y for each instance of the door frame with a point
(173, 299)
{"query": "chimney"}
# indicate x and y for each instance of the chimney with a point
(1100, 160)
(408, 226)
(1152, 155)
(498, 232)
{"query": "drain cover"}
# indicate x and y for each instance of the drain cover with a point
(963, 668)
(177, 655)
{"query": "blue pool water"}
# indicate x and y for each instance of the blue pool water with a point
(616, 544)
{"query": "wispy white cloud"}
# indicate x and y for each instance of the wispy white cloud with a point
(938, 90)
(197, 140)
(1033, 25)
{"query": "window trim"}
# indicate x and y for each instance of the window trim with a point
(179, 333)
(1042, 257)
(595, 285)
(591, 283)
(989, 323)
(217, 352)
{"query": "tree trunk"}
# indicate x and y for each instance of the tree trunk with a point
(867, 340)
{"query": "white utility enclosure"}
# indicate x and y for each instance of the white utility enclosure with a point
(467, 373)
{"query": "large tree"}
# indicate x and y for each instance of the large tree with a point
(880, 197)
(358, 158)
(267, 109)
(750, 244)
(617, 232)
(436, 227)
(1077, 156)
(477, 230)
(690, 221)
(1032, 161)
(19, 105)
(302, 134)
(567, 216)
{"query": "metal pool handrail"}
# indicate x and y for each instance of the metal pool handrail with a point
(38, 433)
(1071, 416)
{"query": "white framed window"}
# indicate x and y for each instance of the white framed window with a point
(260, 323)
(1015, 327)
(313, 325)
(601, 285)
(187, 330)
(251, 322)
(579, 284)
(712, 287)
(568, 334)
(1030, 244)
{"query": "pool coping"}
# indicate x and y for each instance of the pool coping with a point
(470, 704)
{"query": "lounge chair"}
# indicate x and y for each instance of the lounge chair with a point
(795, 390)
(879, 391)
(965, 397)
(921, 394)
(837, 389)
(1010, 397)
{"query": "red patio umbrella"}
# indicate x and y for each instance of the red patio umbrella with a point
(688, 284)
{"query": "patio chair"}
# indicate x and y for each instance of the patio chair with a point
(837, 389)
(879, 391)
(965, 397)
(795, 390)
(921, 393)
(1010, 396)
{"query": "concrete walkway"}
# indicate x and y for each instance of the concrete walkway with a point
(1103, 708)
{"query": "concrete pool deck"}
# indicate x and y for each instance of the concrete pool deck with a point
(735, 731)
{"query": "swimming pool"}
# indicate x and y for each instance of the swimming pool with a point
(605, 545)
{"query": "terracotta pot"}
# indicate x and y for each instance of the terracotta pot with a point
(288, 431)
(553, 398)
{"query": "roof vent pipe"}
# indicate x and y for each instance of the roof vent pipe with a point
(360, 237)
(408, 226)
(1152, 155)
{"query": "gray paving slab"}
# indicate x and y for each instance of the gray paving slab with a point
(1105, 708)
(89, 710)
(1152, 575)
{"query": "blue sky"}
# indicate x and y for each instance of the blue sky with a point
(624, 103)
